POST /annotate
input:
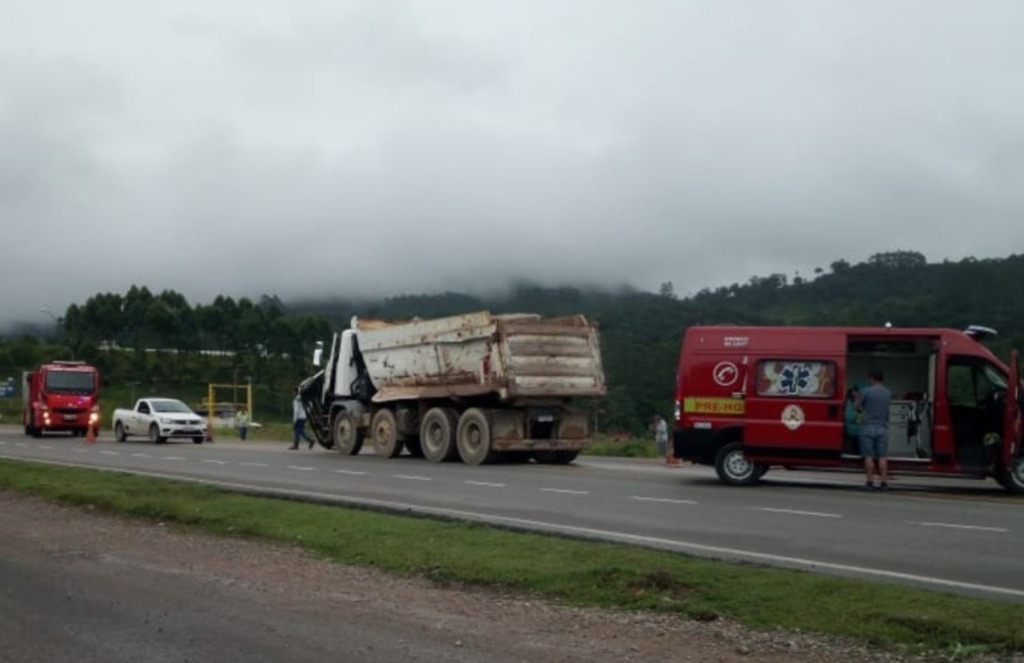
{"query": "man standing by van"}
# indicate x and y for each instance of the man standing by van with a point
(874, 430)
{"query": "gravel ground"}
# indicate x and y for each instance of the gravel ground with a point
(386, 615)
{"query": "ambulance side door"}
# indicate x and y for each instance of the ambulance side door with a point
(794, 408)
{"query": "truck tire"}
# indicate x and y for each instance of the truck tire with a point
(1012, 478)
(733, 468)
(437, 434)
(119, 433)
(154, 435)
(197, 439)
(347, 436)
(473, 437)
(384, 434)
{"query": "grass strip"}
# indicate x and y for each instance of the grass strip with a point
(565, 570)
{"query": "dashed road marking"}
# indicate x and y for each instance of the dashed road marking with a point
(976, 528)
(45, 446)
(141, 455)
(110, 453)
(301, 468)
(352, 472)
(214, 461)
(172, 458)
(412, 477)
(660, 499)
(794, 512)
(255, 464)
(486, 483)
(565, 491)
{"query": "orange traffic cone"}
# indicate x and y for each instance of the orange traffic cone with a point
(90, 434)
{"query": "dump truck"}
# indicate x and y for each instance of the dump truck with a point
(479, 387)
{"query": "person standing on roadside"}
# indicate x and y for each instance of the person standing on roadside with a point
(242, 423)
(661, 440)
(299, 423)
(874, 430)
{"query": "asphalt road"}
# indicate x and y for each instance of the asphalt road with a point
(959, 536)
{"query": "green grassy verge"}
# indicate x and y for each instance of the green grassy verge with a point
(569, 571)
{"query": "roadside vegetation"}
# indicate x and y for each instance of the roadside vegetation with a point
(564, 570)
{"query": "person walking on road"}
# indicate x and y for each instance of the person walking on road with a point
(299, 423)
(874, 430)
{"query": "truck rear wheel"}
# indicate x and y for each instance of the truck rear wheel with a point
(733, 468)
(347, 436)
(473, 437)
(437, 434)
(384, 434)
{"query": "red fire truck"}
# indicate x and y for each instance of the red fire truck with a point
(61, 396)
(748, 398)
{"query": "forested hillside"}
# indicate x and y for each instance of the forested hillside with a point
(270, 341)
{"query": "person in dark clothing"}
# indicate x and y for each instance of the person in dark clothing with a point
(299, 423)
(851, 420)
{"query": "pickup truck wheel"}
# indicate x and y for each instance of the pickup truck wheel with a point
(437, 434)
(348, 438)
(198, 439)
(119, 433)
(154, 435)
(384, 433)
(473, 437)
(1013, 476)
(733, 468)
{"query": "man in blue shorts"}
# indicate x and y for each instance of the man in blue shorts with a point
(874, 430)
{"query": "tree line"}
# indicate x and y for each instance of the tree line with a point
(269, 342)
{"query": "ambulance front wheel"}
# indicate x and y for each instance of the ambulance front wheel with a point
(733, 467)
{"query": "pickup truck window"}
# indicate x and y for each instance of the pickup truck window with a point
(144, 407)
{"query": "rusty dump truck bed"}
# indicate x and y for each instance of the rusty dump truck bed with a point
(511, 356)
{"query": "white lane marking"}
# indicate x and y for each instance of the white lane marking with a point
(565, 491)
(254, 464)
(110, 453)
(81, 451)
(20, 444)
(141, 455)
(352, 472)
(301, 468)
(794, 512)
(976, 528)
(45, 446)
(604, 535)
(172, 458)
(2, 442)
(486, 483)
(412, 477)
(215, 462)
(660, 499)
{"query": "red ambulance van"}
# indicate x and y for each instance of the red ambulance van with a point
(748, 398)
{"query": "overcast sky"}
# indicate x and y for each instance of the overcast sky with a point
(388, 147)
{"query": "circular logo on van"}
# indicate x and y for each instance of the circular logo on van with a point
(793, 417)
(725, 373)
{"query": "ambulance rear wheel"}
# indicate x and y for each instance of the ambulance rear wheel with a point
(1012, 478)
(733, 468)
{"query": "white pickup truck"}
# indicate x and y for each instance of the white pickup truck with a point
(159, 419)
